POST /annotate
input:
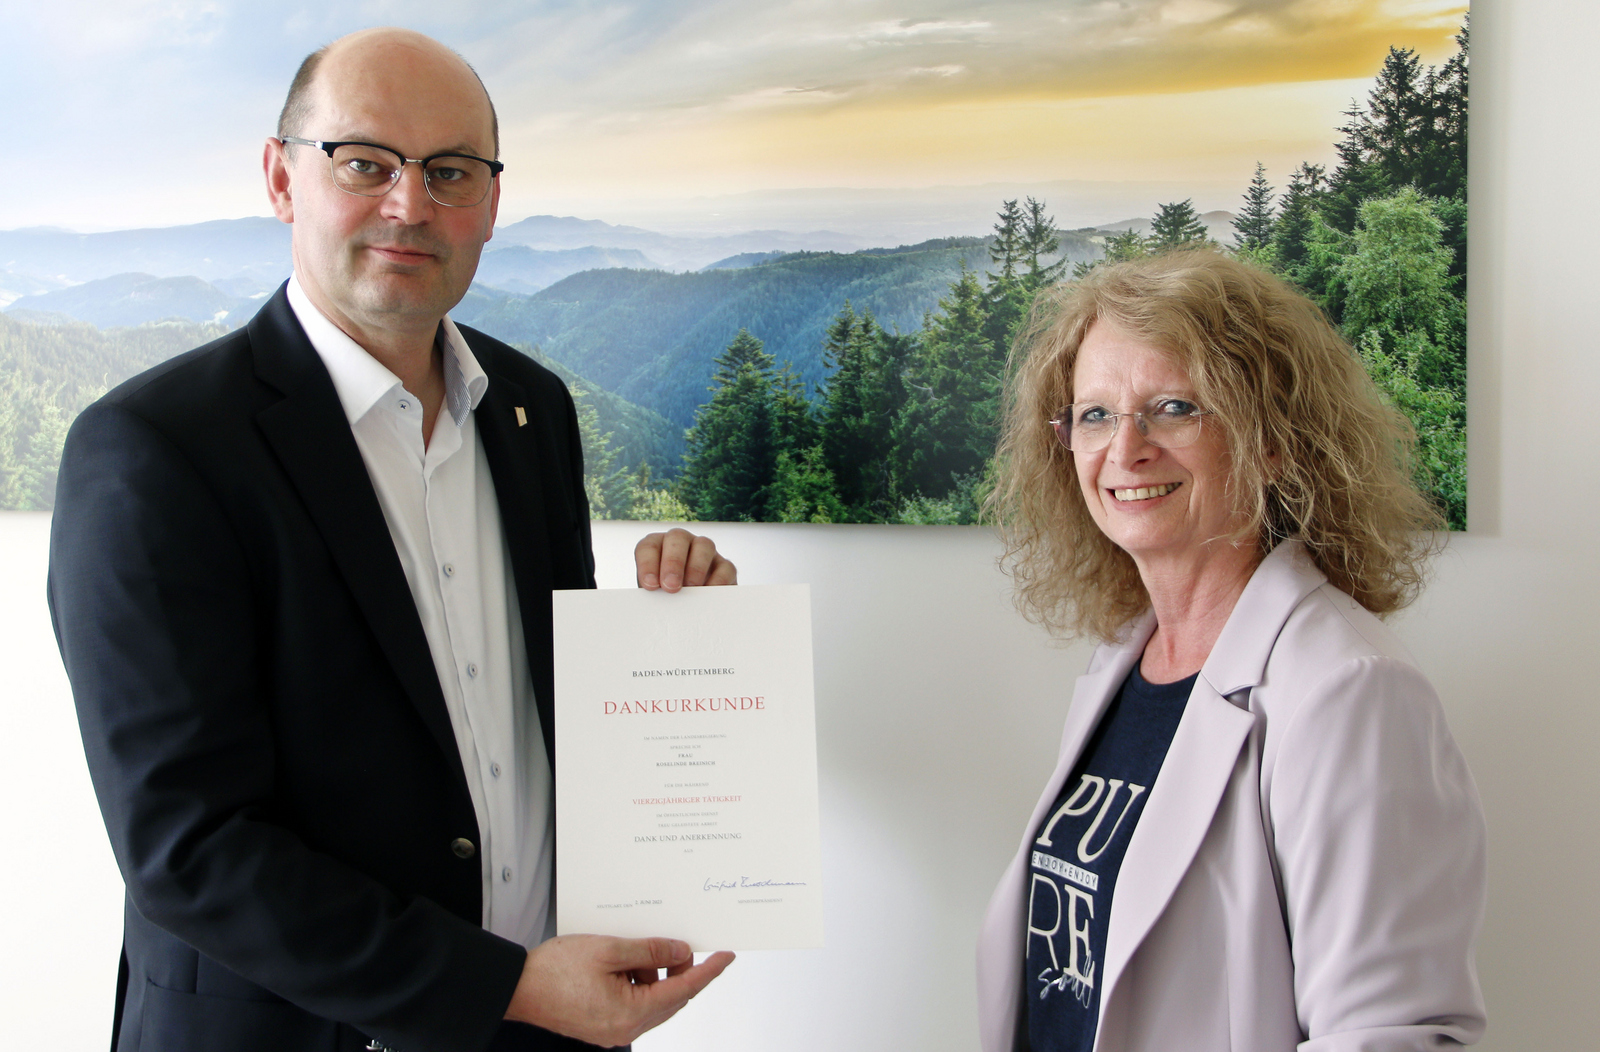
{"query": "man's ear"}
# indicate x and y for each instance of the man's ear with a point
(275, 166)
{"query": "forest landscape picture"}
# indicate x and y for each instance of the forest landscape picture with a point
(780, 254)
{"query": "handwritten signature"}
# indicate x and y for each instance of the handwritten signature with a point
(746, 882)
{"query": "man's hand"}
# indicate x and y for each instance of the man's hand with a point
(606, 991)
(676, 558)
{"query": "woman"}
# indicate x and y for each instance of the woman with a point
(1197, 471)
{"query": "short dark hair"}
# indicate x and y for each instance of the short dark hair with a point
(297, 106)
(292, 120)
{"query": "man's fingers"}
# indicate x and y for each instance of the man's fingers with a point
(627, 955)
(674, 556)
(647, 560)
(659, 558)
(697, 567)
(722, 572)
(677, 558)
(608, 991)
(684, 982)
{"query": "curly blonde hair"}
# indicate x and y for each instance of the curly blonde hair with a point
(1279, 379)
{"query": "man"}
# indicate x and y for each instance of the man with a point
(301, 582)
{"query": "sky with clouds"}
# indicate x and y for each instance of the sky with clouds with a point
(151, 112)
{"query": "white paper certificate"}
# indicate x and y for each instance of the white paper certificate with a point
(686, 766)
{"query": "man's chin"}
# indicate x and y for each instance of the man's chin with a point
(421, 300)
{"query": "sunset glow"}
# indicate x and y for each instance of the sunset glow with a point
(663, 103)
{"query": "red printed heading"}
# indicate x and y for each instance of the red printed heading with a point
(677, 705)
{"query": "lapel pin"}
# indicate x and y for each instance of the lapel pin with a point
(522, 417)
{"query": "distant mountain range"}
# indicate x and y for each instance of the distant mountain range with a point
(242, 257)
(667, 251)
(137, 299)
(221, 270)
(650, 336)
(518, 268)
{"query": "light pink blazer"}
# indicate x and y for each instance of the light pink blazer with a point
(1308, 871)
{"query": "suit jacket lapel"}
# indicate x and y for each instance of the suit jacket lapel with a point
(308, 432)
(516, 454)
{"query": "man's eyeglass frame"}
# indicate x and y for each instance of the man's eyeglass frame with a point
(495, 167)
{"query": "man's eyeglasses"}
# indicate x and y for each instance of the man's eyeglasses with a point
(456, 180)
(1171, 423)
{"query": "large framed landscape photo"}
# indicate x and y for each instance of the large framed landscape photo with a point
(779, 251)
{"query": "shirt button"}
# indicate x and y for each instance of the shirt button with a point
(472, 669)
(463, 847)
(494, 769)
(404, 404)
(505, 874)
(449, 569)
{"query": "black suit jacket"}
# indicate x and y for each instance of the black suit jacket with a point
(261, 714)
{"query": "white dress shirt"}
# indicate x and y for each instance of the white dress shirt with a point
(439, 502)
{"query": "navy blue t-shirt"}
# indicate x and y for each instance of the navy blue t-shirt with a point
(1076, 857)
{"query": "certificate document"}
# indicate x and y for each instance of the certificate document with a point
(686, 766)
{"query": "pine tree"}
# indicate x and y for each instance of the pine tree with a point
(651, 503)
(894, 355)
(803, 489)
(730, 459)
(847, 398)
(1447, 143)
(1007, 250)
(1006, 299)
(1360, 173)
(1307, 187)
(949, 424)
(794, 425)
(1411, 131)
(1119, 248)
(1320, 274)
(1177, 226)
(1448, 146)
(744, 352)
(609, 489)
(861, 399)
(1253, 226)
(1039, 239)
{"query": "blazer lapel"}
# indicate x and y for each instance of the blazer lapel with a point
(1091, 694)
(1000, 948)
(1205, 750)
(308, 432)
(1195, 774)
(515, 453)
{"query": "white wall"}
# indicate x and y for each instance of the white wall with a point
(939, 708)
(60, 896)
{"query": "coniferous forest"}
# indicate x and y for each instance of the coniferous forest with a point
(864, 387)
(903, 425)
